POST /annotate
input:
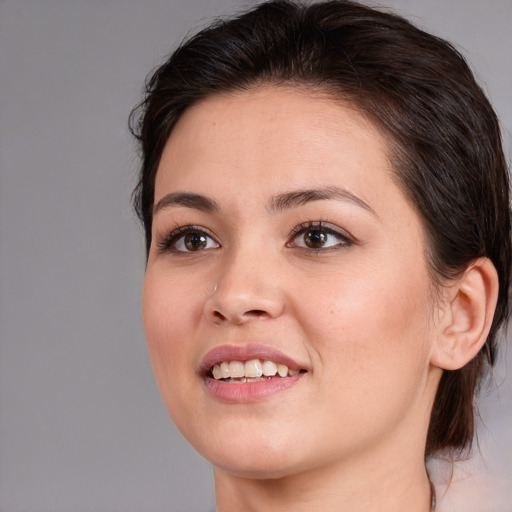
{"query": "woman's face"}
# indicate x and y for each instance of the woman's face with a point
(280, 238)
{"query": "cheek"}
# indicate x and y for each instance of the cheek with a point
(373, 324)
(168, 315)
(371, 340)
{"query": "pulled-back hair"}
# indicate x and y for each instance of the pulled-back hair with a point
(443, 137)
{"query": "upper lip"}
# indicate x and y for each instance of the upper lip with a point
(246, 352)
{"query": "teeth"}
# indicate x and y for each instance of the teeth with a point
(250, 371)
(224, 371)
(253, 368)
(217, 373)
(243, 380)
(269, 368)
(236, 369)
(282, 369)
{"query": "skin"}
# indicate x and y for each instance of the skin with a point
(358, 315)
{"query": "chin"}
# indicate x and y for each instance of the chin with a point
(255, 469)
(247, 457)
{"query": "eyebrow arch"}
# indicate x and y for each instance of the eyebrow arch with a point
(297, 198)
(187, 200)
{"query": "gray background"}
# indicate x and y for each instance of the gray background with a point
(81, 423)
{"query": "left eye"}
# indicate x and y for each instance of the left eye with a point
(319, 237)
(194, 241)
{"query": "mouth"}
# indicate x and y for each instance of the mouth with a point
(247, 373)
(254, 370)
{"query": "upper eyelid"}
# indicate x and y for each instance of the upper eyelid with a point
(181, 229)
(164, 241)
(327, 226)
(169, 237)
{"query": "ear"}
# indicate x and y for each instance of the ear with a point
(466, 315)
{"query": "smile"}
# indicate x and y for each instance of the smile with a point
(245, 373)
(253, 370)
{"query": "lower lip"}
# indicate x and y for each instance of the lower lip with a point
(249, 391)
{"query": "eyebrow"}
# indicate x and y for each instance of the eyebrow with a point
(286, 200)
(187, 200)
(301, 197)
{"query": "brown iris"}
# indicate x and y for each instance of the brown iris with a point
(315, 238)
(195, 241)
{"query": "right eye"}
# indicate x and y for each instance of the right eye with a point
(187, 239)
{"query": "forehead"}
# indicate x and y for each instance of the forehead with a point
(286, 133)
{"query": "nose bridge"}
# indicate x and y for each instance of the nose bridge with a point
(246, 287)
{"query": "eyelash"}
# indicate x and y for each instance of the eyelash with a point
(302, 229)
(168, 243)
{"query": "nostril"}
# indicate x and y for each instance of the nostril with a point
(255, 312)
(218, 315)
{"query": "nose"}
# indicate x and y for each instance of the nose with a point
(246, 290)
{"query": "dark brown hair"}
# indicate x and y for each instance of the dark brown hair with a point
(443, 135)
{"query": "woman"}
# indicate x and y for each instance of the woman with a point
(326, 208)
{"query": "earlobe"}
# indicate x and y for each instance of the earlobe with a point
(466, 316)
